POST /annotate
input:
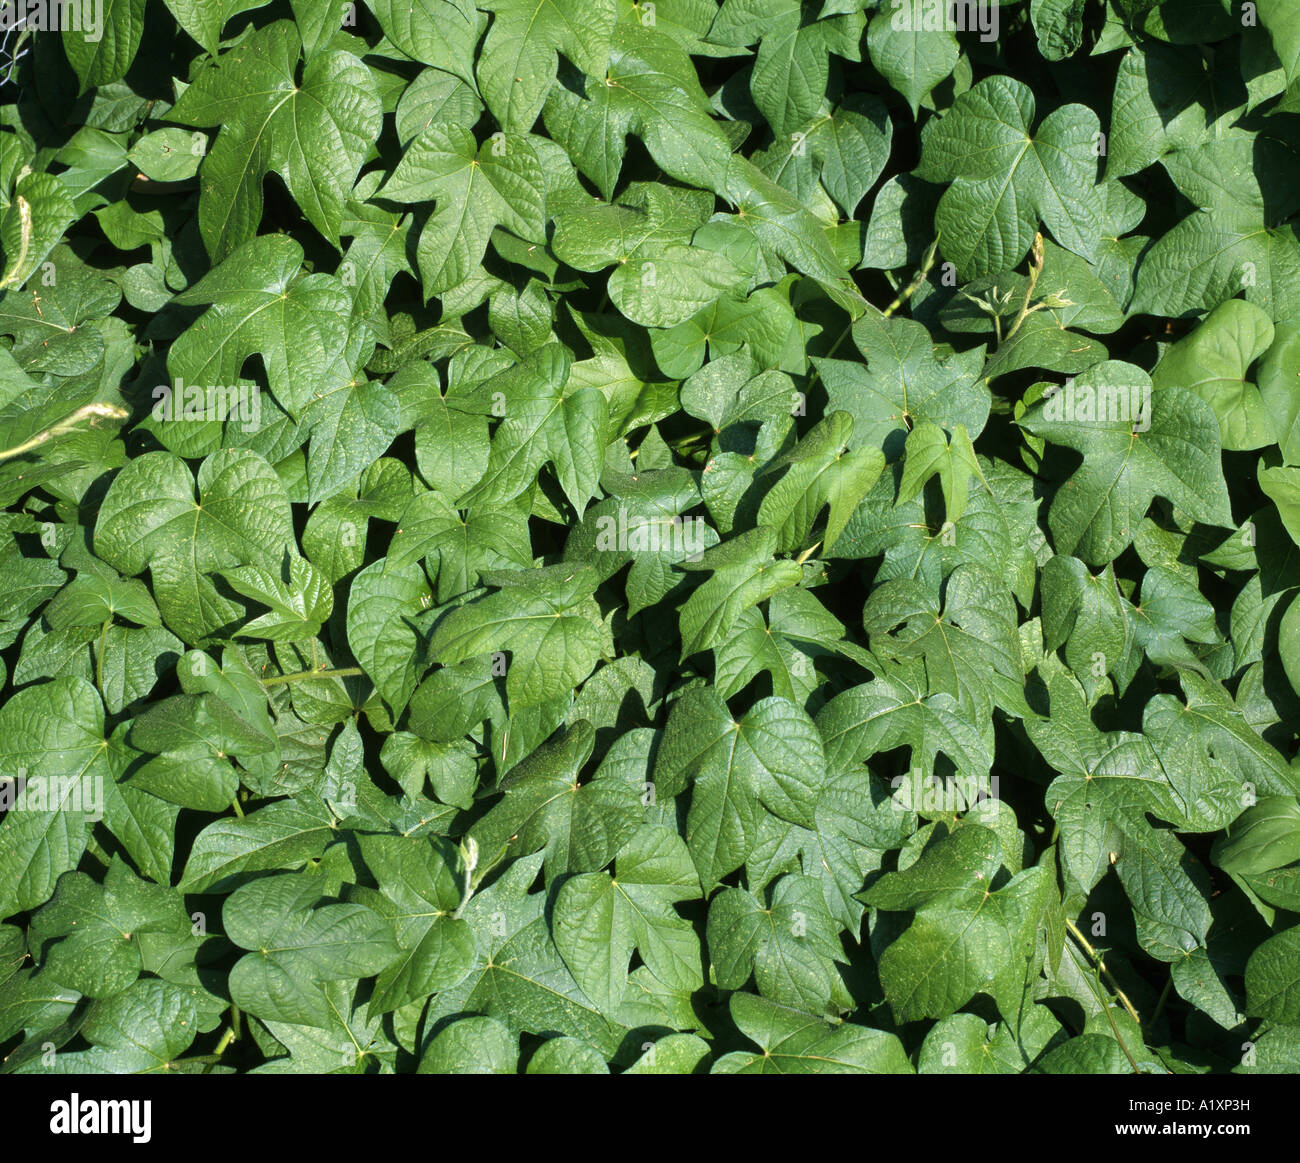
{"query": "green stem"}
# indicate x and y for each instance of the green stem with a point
(843, 335)
(24, 241)
(1035, 273)
(238, 810)
(99, 658)
(93, 849)
(1164, 997)
(918, 279)
(203, 1059)
(64, 426)
(1099, 994)
(1101, 968)
(303, 675)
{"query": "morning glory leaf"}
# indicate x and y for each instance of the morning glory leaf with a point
(1006, 178)
(295, 947)
(312, 128)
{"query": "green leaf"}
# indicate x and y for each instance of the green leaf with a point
(1108, 782)
(104, 53)
(769, 760)
(296, 947)
(796, 1043)
(1208, 257)
(299, 598)
(1264, 837)
(1005, 179)
(313, 129)
(599, 919)
(1213, 361)
(205, 19)
(150, 519)
(791, 67)
(744, 574)
(1284, 31)
(52, 736)
(911, 57)
(545, 621)
(193, 736)
(283, 835)
(92, 599)
(472, 1046)
(823, 470)
(517, 64)
(650, 89)
(94, 935)
(260, 305)
(780, 222)
(31, 226)
(671, 286)
(929, 454)
(382, 608)
(544, 422)
(476, 189)
(47, 322)
(790, 946)
(1277, 375)
(903, 382)
(141, 1030)
(968, 642)
(420, 899)
(441, 33)
(890, 712)
(1168, 445)
(580, 825)
(1272, 977)
(963, 863)
(1059, 26)
(957, 947)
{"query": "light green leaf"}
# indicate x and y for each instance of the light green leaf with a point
(476, 189)
(796, 1043)
(296, 947)
(313, 133)
(1273, 978)
(51, 735)
(93, 934)
(1167, 445)
(1213, 361)
(102, 50)
(545, 620)
(150, 519)
(517, 64)
(442, 33)
(599, 919)
(383, 604)
(1007, 179)
(420, 896)
(769, 760)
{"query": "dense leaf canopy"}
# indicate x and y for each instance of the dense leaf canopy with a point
(598, 536)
